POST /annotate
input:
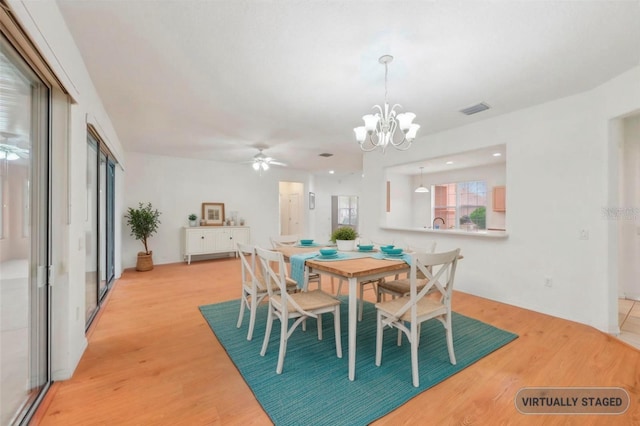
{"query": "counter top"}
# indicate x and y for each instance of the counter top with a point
(452, 232)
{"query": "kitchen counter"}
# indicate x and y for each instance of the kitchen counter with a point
(452, 232)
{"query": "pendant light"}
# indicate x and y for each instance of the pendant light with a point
(421, 188)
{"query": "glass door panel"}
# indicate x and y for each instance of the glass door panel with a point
(102, 226)
(91, 232)
(24, 296)
(110, 229)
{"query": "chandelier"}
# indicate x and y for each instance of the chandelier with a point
(379, 129)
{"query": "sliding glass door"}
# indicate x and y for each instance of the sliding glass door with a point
(24, 236)
(99, 225)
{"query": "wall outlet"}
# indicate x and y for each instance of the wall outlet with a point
(548, 282)
(584, 234)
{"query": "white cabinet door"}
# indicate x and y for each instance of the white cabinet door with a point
(194, 241)
(212, 240)
(224, 240)
(240, 236)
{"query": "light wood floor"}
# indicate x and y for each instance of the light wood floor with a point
(152, 360)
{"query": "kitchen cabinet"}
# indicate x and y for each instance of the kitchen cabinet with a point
(499, 198)
(200, 240)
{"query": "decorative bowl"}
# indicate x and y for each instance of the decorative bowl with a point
(306, 242)
(366, 247)
(385, 249)
(394, 251)
(328, 251)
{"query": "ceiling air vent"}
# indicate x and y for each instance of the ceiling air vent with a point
(326, 155)
(475, 109)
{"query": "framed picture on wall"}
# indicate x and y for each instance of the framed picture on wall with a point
(312, 201)
(213, 214)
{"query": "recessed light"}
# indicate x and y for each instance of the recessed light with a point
(331, 172)
(497, 154)
(449, 162)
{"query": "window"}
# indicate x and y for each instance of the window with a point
(344, 211)
(460, 205)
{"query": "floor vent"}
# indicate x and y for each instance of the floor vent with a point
(326, 155)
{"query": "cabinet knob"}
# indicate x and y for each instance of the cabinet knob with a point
(202, 237)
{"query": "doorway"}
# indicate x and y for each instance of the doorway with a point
(627, 217)
(291, 208)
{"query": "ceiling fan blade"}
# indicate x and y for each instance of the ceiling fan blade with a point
(277, 163)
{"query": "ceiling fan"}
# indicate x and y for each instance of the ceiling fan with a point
(262, 162)
(12, 152)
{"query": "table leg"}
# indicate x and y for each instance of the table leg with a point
(353, 323)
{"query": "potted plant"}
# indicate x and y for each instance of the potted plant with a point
(345, 238)
(193, 220)
(143, 222)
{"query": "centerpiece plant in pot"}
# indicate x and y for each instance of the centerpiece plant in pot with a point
(193, 220)
(345, 238)
(143, 222)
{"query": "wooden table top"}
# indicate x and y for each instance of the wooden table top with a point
(289, 251)
(359, 267)
(348, 268)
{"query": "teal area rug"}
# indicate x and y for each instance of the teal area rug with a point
(314, 389)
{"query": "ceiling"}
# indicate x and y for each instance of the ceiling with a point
(217, 79)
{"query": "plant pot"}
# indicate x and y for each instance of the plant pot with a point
(346, 245)
(145, 261)
(193, 223)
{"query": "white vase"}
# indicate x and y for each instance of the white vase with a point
(193, 223)
(346, 245)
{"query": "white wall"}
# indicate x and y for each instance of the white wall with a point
(558, 173)
(178, 186)
(400, 196)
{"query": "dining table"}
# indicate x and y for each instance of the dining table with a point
(354, 267)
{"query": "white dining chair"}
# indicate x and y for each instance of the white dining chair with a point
(408, 312)
(291, 240)
(398, 287)
(295, 306)
(254, 286)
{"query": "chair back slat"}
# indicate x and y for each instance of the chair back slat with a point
(269, 259)
(247, 256)
(284, 240)
(439, 269)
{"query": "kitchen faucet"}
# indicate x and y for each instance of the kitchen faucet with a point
(434, 222)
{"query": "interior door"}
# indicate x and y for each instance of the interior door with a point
(294, 214)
